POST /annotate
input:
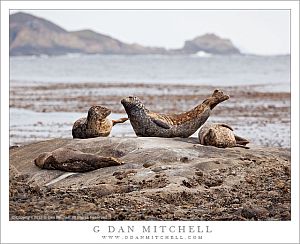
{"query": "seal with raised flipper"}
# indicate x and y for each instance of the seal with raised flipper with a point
(96, 124)
(220, 135)
(150, 124)
(71, 160)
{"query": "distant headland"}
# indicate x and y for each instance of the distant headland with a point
(31, 35)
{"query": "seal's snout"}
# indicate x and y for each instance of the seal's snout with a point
(123, 101)
(99, 111)
(103, 112)
(226, 97)
(127, 103)
(131, 104)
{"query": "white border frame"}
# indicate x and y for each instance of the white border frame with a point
(82, 231)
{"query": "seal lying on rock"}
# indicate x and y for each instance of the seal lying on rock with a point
(96, 124)
(220, 135)
(146, 123)
(72, 160)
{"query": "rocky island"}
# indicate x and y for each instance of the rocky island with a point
(161, 179)
(31, 35)
(209, 43)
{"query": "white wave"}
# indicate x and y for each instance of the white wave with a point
(202, 54)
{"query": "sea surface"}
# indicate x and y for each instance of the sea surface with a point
(273, 72)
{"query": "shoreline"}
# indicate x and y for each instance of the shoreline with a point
(78, 97)
(48, 111)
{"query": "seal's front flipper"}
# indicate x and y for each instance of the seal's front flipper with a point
(121, 120)
(241, 141)
(160, 123)
(226, 126)
(242, 146)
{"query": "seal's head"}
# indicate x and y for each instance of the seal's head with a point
(220, 95)
(216, 98)
(218, 135)
(210, 136)
(98, 112)
(41, 159)
(131, 103)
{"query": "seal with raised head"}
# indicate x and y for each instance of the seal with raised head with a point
(146, 123)
(220, 135)
(96, 124)
(67, 159)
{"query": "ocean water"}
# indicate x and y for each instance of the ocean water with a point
(273, 72)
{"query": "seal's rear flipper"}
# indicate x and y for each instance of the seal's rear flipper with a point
(121, 120)
(240, 140)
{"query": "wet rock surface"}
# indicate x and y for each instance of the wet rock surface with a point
(162, 179)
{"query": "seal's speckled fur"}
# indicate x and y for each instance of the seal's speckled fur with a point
(220, 135)
(71, 160)
(146, 123)
(96, 124)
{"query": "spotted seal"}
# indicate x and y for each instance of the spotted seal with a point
(96, 124)
(67, 159)
(220, 135)
(146, 123)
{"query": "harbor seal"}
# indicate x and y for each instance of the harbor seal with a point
(220, 135)
(146, 123)
(71, 160)
(96, 124)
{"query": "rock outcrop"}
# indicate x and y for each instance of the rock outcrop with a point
(162, 179)
(30, 35)
(210, 43)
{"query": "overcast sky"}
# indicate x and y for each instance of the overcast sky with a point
(253, 31)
